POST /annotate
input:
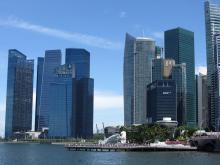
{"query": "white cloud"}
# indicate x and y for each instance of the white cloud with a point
(201, 69)
(122, 14)
(107, 100)
(86, 39)
(158, 35)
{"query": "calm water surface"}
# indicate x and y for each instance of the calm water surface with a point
(40, 154)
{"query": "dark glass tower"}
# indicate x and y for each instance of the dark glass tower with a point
(62, 103)
(161, 95)
(84, 108)
(179, 45)
(51, 61)
(84, 91)
(19, 93)
(178, 74)
(40, 64)
(81, 59)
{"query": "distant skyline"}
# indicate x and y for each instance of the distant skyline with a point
(98, 26)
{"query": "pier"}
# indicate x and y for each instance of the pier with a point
(126, 148)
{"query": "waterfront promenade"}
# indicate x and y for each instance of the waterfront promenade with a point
(128, 147)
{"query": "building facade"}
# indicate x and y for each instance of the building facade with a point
(138, 55)
(179, 45)
(202, 101)
(216, 84)
(178, 74)
(51, 61)
(66, 95)
(212, 26)
(19, 93)
(81, 59)
(84, 91)
(84, 108)
(40, 65)
(62, 103)
(161, 95)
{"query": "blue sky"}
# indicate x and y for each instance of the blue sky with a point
(100, 27)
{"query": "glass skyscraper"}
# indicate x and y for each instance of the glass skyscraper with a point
(138, 55)
(19, 93)
(179, 45)
(81, 59)
(166, 69)
(62, 103)
(178, 74)
(161, 95)
(84, 108)
(40, 64)
(66, 94)
(84, 91)
(51, 61)
(212, 24)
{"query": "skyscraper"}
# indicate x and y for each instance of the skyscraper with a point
(19, 93)
(84, 108)
(178, 74)
(138, 55)
(84, 91)
(202, 92)
(40, 65)
(161, 68)
(212, 24)
(179, 45)
(62, 103)
(166, 69)
(81, 59)
(161, 95)
(51, 61)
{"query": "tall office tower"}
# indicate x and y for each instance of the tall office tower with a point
(40, 64)
(212, 24)
(138, 55)
(202, 93)
(179, 45)
(51, 61)
(216, 84)
(166, 69)
(81, 58)
(161, 95)
(62, 103)
(84, 108)
(19, 93)
(178, 74)
(161, 68)
(158, 52)
(157, 69)
(84, 91)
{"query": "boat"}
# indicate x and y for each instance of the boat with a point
(206, 141)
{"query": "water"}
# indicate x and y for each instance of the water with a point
(40, 154)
